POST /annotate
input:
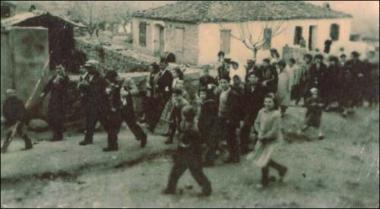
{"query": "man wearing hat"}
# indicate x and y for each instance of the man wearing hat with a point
(14, 113)
(57, 86)
(94, 98)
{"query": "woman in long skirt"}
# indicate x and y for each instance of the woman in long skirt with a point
(268, 126)
(178, 83)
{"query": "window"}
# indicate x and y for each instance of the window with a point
(334, 32)
(179, 39)
(267, 38)
(225, 41)
(297, 35)
(142, 33)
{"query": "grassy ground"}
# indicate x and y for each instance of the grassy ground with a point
(340, 171)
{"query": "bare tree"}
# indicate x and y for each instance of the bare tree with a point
(83, 11)
(257, 41)
(124, 18)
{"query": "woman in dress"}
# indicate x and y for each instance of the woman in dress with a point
(178, 83)
(268, 126)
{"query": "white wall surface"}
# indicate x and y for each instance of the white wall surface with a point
(209, 41)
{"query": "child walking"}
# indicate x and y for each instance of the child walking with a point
(188, 154)
(268, 126)
(313, 115)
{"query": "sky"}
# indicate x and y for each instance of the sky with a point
(365, 13)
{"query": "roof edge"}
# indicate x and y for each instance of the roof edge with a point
(244, 20)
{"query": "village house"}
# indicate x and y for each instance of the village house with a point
(29, 40)
(8, 9)
(196, 31)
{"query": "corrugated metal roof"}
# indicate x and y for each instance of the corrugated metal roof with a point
(19, 18)
(238, 11)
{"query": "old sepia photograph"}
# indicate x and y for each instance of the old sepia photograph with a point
(190, 104)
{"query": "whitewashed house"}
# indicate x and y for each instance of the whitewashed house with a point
(195, 31)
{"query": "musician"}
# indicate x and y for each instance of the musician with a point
(120, 108)
(92, 86)
(128, 90)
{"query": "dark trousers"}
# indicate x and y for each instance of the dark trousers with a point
(115, 120)
(172, 129)
(228, 131)
(152, 111)
(56, 119)
(265, 171)
(129, 117)
(212, 146)
(21, 131)
(183, 160)
(92, 117)
(245, 131)
(114, 123)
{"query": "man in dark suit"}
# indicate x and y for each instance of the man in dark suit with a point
(128, 90)
(253, 101)
(121, 109)
(269, 77)
(206, 80)
(228, 119)
(188, 155)
(57, 86)
(316, 77)
(94, 98)
(250, 68)
(356, 67)
(164, 83)
(207, 123)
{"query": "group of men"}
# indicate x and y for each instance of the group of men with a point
(108, 99)
(105, 98)
(226, 105)
(231, 104)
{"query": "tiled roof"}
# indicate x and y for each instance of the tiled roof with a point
(19, 18)
(238, 11)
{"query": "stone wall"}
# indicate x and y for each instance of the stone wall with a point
(121, 59)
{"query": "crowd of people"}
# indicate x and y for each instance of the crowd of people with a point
(245, 114)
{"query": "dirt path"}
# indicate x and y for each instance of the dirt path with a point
(341, 171)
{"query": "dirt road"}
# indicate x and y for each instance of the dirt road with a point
(340, 171)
